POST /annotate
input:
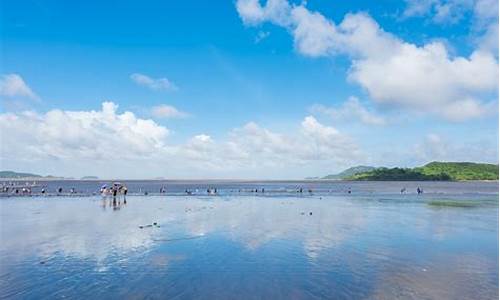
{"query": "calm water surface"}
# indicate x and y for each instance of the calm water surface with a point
(372, 244)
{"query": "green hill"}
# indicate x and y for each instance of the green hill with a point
(462, 170)
(12, 174)
(442, 171)
(349, 172)
(397, 174)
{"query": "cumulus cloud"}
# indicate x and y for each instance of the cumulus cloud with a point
(157, 84)
(486, 10)
(122, 141)
(13, 85)
(435, 147)
(451, 11)
(73, 135)
(252, 13)
(423, 78)
(486, 25)
(350, 110)
(252, 146)
(442, 11)
(484, 16)
(167, 111)
(313, 142)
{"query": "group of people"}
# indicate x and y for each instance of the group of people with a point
(16, 190)
(419, 190)
(114, 190)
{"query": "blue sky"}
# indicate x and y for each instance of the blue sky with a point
(246, 89)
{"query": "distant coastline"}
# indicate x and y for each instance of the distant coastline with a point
(434, 171)
(12, 175)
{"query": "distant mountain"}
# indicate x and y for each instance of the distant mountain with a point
(436, 171)
(20, 175)
(349, 172)
(12, 174)
(89, 178)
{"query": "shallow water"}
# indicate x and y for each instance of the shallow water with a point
(371, 244)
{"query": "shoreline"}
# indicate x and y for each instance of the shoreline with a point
(231, 180)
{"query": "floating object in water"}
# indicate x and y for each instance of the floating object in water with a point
(310, 213)
(155, 224)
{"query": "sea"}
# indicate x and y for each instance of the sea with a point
(249, 240)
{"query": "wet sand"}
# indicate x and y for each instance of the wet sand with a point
(249, 247)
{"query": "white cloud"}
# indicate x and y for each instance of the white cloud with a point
(312, 142)
(486, 10)
(421, 78)
(158, 84)
(435, 147)
(484, 17)
(432, 148)
(350, 110)
(13, 85)
(113, 144)
(73, 135)
(314, 35)
(252, 147)
(425, 79)
(451, 11)
(167, 111)
(442, 11)
(252, 13)
(486, 25)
